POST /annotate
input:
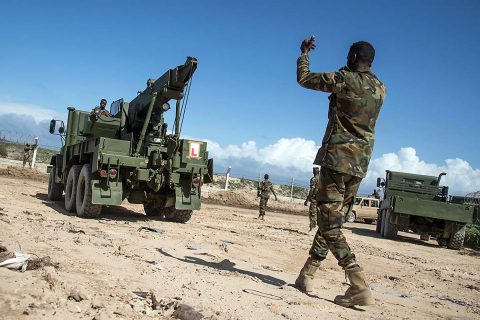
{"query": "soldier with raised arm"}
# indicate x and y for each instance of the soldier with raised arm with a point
(356, 96)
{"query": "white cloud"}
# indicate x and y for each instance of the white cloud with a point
(294, 156)
(293, 153)
(38, 113)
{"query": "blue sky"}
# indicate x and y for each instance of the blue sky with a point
(64, 53)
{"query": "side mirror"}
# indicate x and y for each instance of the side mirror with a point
(380, 183)
(52, 126)
(61, 130)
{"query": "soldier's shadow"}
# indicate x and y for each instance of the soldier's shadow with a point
(227, 265)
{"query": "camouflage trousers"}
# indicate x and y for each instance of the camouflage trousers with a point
(25, 160)
(312, 213)
(263, 204)
(335, 196)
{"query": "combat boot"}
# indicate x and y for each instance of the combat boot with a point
(358, 294)
(304, 280)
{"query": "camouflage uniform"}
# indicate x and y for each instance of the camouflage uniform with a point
(27, 155)
(312, 210)
(265, 189)
(355, 102)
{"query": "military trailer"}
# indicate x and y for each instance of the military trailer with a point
(130, 154)
(418, 203)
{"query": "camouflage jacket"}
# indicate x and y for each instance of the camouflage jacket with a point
(354, 106)
(313, 188)
(265, 188)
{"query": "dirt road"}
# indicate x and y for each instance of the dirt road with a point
(224, 264)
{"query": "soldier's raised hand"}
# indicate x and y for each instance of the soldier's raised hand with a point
(308, 44)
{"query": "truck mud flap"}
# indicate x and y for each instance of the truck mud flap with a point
(107, 195)
(186, 201)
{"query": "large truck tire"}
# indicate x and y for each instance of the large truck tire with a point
(55, 190)
(391, 230)
(71, 188)
(85, 208)
(456, 240)
(180, 216)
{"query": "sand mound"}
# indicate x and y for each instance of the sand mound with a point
(248, 199)
(24, 173)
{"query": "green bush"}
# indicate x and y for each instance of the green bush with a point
(472, 236)
(3, 150)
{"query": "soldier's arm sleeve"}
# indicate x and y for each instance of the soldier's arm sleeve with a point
(321, 81)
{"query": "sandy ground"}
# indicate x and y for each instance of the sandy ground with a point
(222, 264)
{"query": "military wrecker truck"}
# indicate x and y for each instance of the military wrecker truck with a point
(130, 154)
(420, 204)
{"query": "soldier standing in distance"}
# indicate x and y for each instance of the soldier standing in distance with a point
(264, 194)
(355, 101)
(376, 194)
(312, 210)
(27, 154)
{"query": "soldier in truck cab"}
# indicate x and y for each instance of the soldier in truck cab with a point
(103, 105)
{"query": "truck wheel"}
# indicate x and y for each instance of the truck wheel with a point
(378, 227)
(368, 221)
(442, 242)
(71, 187)
(456, 240)
(382, 228)
(180, 216)
(351, 217)
(391, 230)
(55, 190)
(85, 208)
(151, 210)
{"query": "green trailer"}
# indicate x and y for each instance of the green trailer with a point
(418, 203)
(130, 154)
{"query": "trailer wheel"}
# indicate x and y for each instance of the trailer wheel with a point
(456, 240)
(391, 230)
(351, 217)
(85, 208)
(55, 190)
(180, 216)
(71, 187)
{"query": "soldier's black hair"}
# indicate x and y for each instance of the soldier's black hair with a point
(266, 176)
(365, 52)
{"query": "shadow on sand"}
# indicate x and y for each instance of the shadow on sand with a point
(227, 265)
(116, 213)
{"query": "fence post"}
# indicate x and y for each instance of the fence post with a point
(227, 177)
(291, 189)
(34, 152)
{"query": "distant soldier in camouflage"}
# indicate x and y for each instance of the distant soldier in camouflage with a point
(27, 154)
(312, 210)
(264, 193)
(375, 194)
(355, 101)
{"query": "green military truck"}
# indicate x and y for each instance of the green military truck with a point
(130, 154)
(420, 204)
